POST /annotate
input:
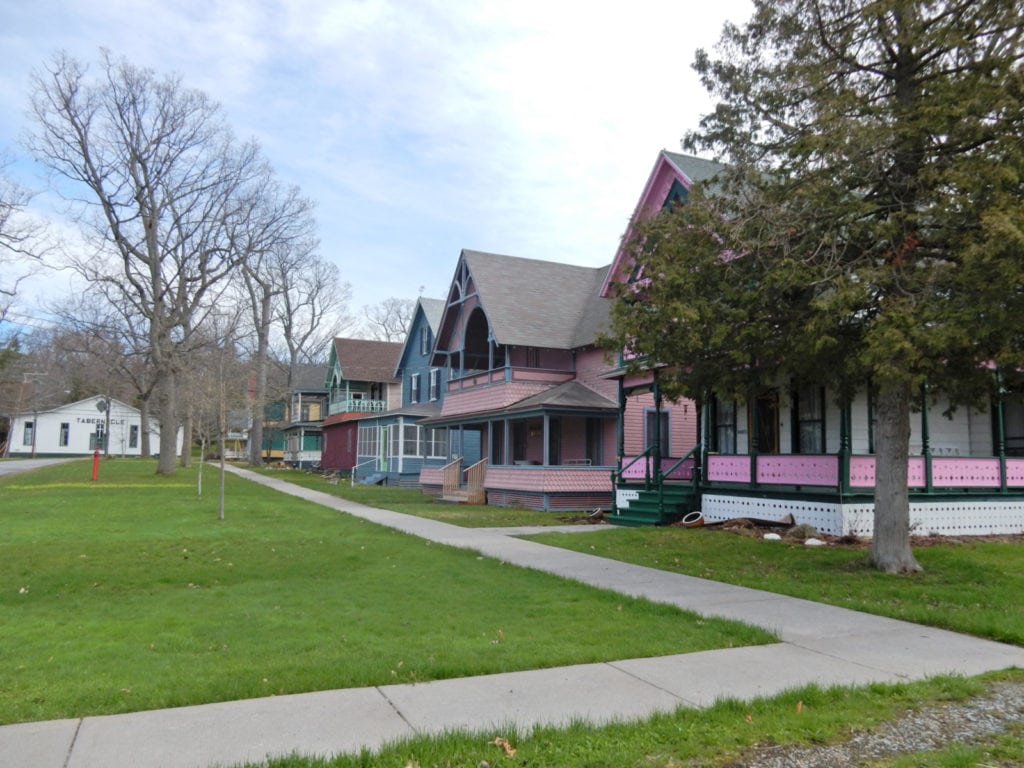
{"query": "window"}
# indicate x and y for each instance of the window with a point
(97, 440)
(435, 383)
(133, 436)
(724, 435)
(436, 443)
(663, 433)
(410, 440)
(368, 442)
(809, 424)
(65, 433)
(414, 388)
(532, 357)
(27, 435)
(424, 340)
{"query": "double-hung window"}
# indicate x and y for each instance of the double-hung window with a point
(435, 383)
(414, 388)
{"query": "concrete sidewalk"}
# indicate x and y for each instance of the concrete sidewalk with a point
(820, 644)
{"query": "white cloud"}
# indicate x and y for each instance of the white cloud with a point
(420, 128)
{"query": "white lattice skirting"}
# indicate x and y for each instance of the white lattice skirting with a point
(945, 518)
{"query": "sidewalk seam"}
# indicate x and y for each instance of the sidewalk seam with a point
(396, 710)
(74, 738)
(682, 702)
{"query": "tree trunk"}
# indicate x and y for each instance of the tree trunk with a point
(167, 463)
(260, 397)
(890, 546)
(186, 441)
(144, 447)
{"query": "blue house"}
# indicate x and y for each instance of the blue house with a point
(392, 447)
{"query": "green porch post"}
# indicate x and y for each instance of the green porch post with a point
(845, 446)
(755, 438)
(656, 443)
(1000, 432)
(704, 425)
(926, 443)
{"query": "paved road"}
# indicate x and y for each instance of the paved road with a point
(14, 466)
(819, 644)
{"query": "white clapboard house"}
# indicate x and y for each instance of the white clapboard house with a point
(81, 428)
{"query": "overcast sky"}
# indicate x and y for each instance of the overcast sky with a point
(419, 128)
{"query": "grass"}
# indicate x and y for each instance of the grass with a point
(412, 501)
(974, 588)
(711, 737)
(128, 594)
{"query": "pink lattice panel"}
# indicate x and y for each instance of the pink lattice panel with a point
(862, 471)
(1015, 473)
(729, 469)
(798, 470)
(966, 473)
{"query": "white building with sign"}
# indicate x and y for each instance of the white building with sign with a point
(79, 429)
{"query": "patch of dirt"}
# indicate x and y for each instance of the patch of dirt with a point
(927, 729)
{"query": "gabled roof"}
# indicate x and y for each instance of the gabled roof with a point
(694, 168)
(537, 303)
(432, 310)
(308, 377)
(365, 360)
(673, 174)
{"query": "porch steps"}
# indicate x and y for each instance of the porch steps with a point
(463, 496)
(677, 500)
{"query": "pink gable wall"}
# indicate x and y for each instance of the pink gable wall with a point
(658, 185)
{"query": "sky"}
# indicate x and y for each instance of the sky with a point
(417, 127)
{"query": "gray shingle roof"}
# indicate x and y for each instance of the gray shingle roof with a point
(365, 360)
(695, 168)
(433, 309)
(539, 303)
(308, 376)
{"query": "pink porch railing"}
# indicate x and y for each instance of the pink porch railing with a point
(824, 471)
(637, 468)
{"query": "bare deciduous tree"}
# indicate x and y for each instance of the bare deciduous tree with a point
(20, 247)
(165, 184)
(389, 320)
(273, 236)
(313, 310)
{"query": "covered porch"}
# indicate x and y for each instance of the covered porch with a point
(551, 451)
(799, 456)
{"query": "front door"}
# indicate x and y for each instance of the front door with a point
(764, 429)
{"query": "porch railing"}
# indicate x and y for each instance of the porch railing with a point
(451, 478)
(356, 405)
(825, 471)
(475, 477)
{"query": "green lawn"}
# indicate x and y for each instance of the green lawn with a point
(128, 594)
(974, 587)
(412, 501)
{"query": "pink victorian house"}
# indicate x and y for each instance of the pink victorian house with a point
(532, 417)
(797, 452)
